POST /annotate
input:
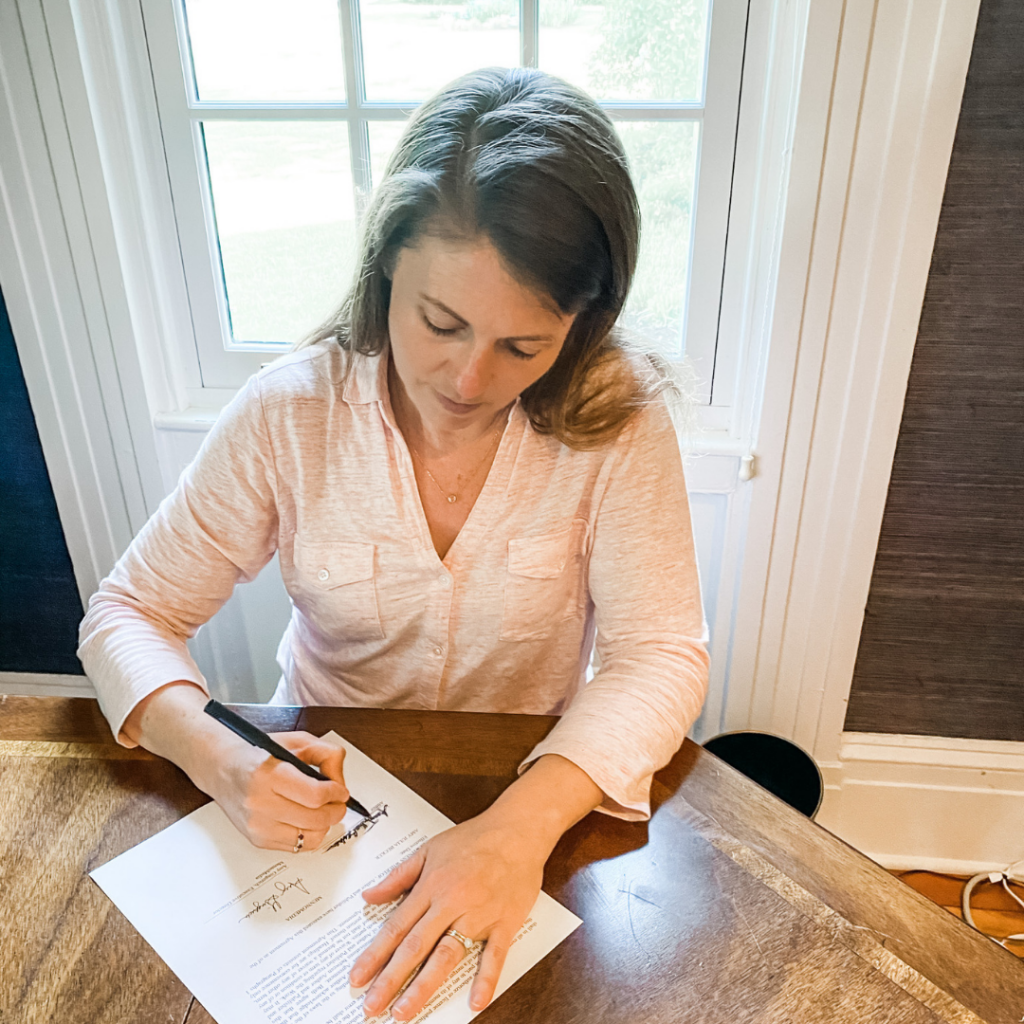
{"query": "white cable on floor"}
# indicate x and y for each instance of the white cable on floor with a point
(1014, 872)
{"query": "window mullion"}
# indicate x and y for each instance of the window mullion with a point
(529, 32)
(355, 89)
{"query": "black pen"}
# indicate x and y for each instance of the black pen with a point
(258, 738)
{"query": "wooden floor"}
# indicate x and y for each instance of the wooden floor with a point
(994, 910)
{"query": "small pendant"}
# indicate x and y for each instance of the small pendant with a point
(452, 498)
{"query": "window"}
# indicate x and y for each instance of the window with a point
(278, 117)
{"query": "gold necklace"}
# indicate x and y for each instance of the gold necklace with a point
(453, 496)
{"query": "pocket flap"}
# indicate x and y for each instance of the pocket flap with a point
(333, 565)
(541, 558)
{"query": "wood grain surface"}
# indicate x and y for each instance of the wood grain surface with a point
(940, 650)
(727, 907)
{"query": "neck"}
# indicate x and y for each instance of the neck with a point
(433, 440)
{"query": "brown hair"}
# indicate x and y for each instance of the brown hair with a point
(535, 166)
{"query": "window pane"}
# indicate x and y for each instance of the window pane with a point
(662, 159)
(286, 222)
(411, 49)
(277, 51)
(384, 136)
(627, 50)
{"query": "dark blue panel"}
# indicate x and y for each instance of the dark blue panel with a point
(39, 604)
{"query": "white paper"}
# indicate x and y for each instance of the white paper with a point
(259, 935)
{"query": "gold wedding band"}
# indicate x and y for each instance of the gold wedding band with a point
(464, 939)
(298, 843)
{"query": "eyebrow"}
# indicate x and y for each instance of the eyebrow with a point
(462, 320)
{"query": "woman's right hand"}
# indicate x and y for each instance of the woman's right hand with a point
(269, 801)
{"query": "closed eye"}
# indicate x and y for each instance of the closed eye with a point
(443, 331)
(519, 353)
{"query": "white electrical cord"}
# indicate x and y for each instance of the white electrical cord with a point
(1014, 873)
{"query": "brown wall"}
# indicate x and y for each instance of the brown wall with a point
(942, 648)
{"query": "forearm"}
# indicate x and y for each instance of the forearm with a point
(170, 722)
(546, 801)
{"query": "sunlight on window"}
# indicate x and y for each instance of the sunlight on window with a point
(246, 51)
(286, 222)
(663, 162)
(627, 50)
(412, 49)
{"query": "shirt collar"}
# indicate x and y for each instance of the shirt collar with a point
(366, 379)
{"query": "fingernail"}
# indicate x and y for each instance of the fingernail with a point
(400, 1009)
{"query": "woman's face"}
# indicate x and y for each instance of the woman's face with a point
(466, 337)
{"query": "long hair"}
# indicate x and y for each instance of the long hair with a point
(535, 166)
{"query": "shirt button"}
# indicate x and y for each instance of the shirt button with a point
(444, 579)
(323, 575)
(439, 651)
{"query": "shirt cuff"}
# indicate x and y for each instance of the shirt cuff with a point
(624, 797)
(121, 684)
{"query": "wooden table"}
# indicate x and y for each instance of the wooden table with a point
(728, 907)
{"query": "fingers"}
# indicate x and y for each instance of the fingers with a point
(289, 782)
(323, 755)
(491, 963)
(447, 955)
(314, 819)
(411, 951)
(395, 930)
(399, 879)
(287, 838)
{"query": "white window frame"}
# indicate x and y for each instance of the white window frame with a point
(225, 363)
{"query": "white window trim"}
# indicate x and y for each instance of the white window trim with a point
(846, 131)
(225, 361)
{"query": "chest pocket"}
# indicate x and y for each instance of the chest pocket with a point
(338, 592)
(544, 583)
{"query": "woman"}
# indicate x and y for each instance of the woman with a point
(466, 479)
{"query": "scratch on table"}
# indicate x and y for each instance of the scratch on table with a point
(746, 923)
(630, 895)
(643, 899)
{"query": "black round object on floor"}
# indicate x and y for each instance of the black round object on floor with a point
(778, 765)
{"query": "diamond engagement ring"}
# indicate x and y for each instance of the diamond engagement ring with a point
(464, 939)
(298, 843)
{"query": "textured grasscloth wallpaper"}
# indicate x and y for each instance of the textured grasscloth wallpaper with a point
(942, 650)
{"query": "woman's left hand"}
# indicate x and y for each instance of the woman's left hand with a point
(480, 878)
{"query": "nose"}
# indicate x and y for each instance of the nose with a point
(473, 375)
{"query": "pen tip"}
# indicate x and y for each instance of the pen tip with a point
(357, 807)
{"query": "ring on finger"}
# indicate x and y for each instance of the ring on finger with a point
(466, 941)
(298, 843)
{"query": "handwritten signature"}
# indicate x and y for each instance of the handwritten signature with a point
(380, 811)
(273, 901)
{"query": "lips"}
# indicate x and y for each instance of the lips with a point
(458, 408)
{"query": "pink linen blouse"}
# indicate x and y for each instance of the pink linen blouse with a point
(561, 546)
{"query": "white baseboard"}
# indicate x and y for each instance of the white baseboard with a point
(926, 802)
(38, 684)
